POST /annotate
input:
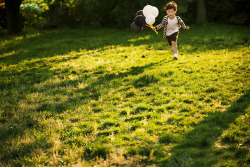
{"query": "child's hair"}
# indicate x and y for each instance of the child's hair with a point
(171, 5)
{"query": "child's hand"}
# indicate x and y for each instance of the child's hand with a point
(154, 28)
(187, 28)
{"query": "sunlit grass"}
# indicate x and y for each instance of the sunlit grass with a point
(108, 97)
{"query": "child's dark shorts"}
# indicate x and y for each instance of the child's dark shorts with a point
(173, 37)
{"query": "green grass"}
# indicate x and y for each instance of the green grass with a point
(107, 97)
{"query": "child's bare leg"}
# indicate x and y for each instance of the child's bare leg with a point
(174, 47)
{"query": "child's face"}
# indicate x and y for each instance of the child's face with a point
(171, 12)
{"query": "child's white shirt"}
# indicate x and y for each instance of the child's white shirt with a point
(172, 26)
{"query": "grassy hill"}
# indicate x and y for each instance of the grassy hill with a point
(107, 97)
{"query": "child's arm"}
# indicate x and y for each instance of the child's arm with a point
(161, 25)
(181, 22)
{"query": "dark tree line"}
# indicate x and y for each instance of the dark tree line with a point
(201, 11)
(14, 22)
(119, 13)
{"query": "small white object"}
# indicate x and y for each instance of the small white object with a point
(155, 11)
(148, 10)
(150, 19)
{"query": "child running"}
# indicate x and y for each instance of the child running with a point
(171, 24)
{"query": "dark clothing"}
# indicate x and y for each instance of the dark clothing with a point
(173, 37)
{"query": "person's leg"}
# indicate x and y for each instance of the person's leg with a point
(174, 47)
(173, 38)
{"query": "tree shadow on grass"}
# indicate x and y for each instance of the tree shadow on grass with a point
(64, 41)
(50, 44)
(19, 125)
(9, 152)
(92, 91)
(199, 143)
(25, 150)
(33, 74)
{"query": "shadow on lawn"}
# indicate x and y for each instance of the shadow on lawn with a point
(52, 43)
(63, 41)
(93, 90)
(200, 141)
(27, 122)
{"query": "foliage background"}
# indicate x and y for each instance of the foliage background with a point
(119, 13)
(92, 96)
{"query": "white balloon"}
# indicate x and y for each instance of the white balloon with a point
(150, 19)
(155, 12)
(148, 10)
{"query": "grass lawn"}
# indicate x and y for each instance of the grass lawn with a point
(107, 97)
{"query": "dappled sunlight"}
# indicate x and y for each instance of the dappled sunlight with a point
(7, 54)
(32, 35)
(10, 42)
(79, 101)
(147, 37)
(220, 135)
(186, 47)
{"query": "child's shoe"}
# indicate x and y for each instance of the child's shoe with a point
(175, 56)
